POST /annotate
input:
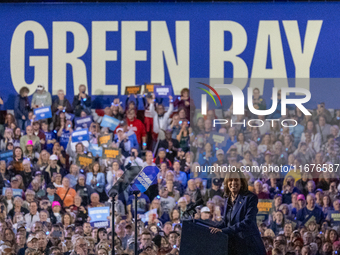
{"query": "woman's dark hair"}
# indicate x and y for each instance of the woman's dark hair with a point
(237, 174)
(24, 90)
(314, 127)
(100, 230)
(62, 219)
(22, 153)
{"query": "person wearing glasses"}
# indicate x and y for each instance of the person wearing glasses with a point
(41, 97)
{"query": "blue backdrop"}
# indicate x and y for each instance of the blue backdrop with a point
(46, 36)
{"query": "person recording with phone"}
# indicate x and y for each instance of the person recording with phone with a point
(239, 222)
(133, 159)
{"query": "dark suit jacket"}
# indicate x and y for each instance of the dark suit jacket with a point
(243, 232)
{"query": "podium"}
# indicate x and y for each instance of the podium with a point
(196, 239)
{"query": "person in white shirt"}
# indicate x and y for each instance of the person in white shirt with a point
(148, 159)
(161, 118)
(241, 145)
(33, 215)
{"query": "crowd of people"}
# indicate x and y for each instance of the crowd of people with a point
(46, 194)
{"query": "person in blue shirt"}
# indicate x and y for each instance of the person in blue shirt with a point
(143, 203)
(207, 158)
(64, 134)
(310, 211)
(179, 175)
(96, 180)
(51, 137)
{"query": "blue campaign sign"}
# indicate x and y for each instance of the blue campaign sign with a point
(43, 113)
(145, 178)
(109, 122)
(99, 214)
(95, 150)
(16, 192)
(163, 91)
(69, 116)
(5, 155)
(100, 224)
(80, 135)
(83, 122)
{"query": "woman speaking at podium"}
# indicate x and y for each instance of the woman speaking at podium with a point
(239, 222)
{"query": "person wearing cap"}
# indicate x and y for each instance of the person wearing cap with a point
(214, 191)
(30, 136)
(52, 169)
(30, 153)
(205, 213)
(32, 242)
(310, 211)
(221, 160)
(21, 107)
(41, 97)
(125, 143)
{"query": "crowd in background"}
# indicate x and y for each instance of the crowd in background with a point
(46, 195)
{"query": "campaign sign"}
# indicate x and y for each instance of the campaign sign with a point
(149, 87)
(105, 140)
(69, 116)
(100, 224)
(42, 113)
(83, 122)
(109, 122)
(134, 90)
(145, 178)
(5, 155)
(16, 192)
(265, 205)
(335, 218)
(80, 135)
(112, 153)
(84, 160)
(163, 91)
(99, 213)
(95, 150)
(220, 140)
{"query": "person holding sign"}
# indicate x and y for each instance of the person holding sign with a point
(137, 126)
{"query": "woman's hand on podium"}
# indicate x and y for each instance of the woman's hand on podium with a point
(214, 230)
